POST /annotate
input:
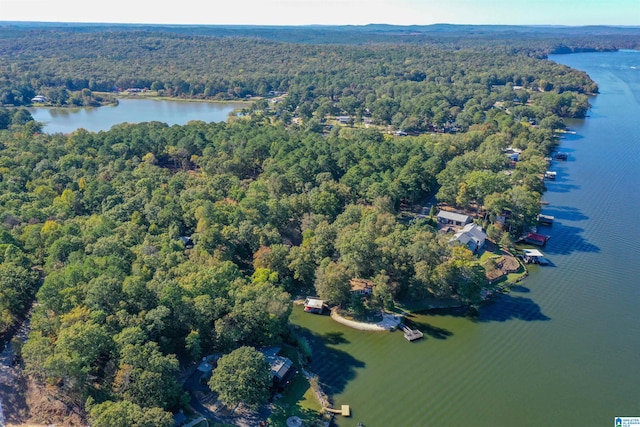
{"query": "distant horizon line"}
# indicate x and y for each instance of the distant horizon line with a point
(10, 22)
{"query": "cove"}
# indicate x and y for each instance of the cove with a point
(66, 120)
(562, 348)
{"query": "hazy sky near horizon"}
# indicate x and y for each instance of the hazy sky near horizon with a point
(332, 12)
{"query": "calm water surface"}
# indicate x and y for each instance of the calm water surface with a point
(133, 111)
(563, 349)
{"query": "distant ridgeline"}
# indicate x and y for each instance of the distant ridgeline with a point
(66, 63)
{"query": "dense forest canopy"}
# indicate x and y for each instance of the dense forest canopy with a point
(56, 62)
(275, 203)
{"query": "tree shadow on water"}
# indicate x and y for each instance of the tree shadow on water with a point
(566, 213)
(434, 331)
(520, 289)
(335, 368)
(335, 338)
(428, 329)
(559, 187)
(510, 307)
(566, 239)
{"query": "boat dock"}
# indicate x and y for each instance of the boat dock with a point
(535, 239)
(545, 219)
(344, 410)
(411, 334)
(534, 256)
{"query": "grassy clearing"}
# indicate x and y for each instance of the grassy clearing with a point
(297, 399)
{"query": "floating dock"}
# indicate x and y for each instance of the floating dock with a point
(344, 410)
(411, 334)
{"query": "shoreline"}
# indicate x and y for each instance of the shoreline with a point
(182, 99)
(389, 322)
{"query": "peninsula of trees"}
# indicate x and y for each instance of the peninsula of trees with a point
(276, 203)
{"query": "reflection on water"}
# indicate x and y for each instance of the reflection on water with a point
(66, 120)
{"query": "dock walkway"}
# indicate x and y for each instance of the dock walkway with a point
(411, 334)
(344, 410)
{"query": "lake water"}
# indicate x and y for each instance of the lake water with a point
(563, 349)
(66, 120)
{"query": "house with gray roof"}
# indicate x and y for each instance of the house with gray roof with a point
(472, 236)
(453, 218)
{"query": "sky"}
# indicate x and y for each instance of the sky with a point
(327, 12)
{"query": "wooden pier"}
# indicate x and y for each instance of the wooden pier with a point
(344, 410)
(411, 334)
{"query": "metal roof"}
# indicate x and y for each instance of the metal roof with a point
(533, 252)
(453, 216)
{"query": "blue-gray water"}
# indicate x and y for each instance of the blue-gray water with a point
(563, 349)
(66, 120)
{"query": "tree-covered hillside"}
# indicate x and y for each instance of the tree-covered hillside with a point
(150, 246)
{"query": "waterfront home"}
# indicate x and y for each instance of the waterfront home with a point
(281, 371)
(361, 286)
(453, 218)
(472, 236)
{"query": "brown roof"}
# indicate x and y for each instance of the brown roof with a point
(360, 284)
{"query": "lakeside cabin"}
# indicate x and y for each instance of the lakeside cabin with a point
(453, 218)
(361, 286)
(39, 99)
(281, 367)
(472, 236)
(313, 305)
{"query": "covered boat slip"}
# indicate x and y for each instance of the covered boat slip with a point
(313, 305)
(545, 219)
(534, 256)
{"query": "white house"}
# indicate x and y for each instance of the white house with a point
(472, 236)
